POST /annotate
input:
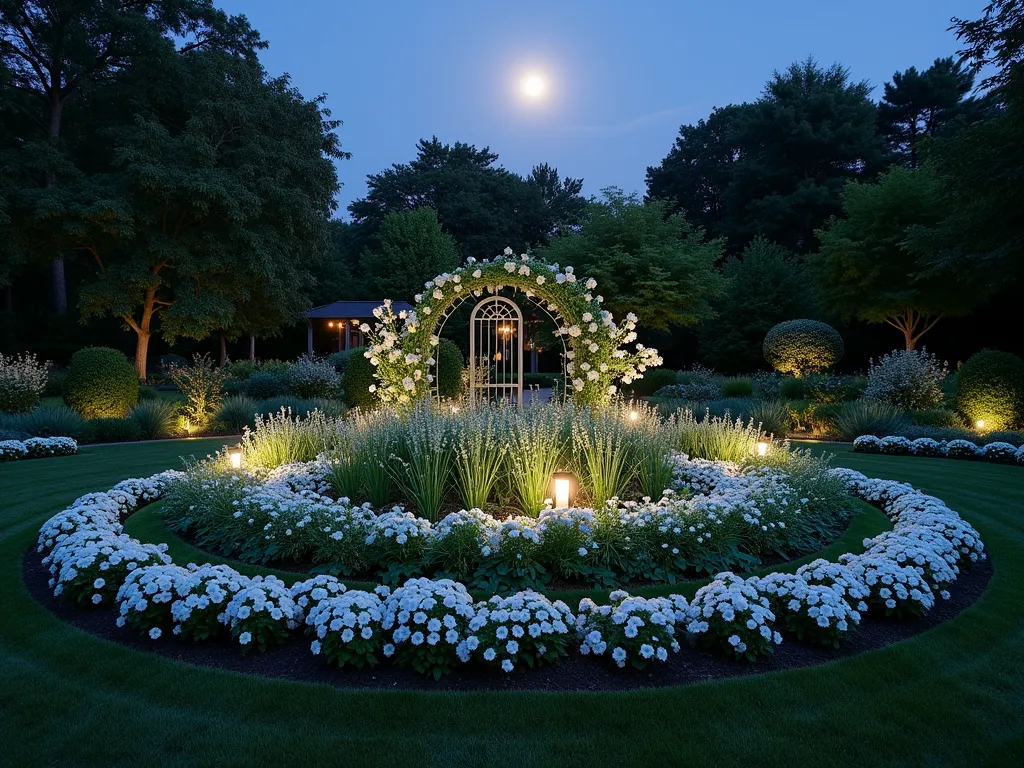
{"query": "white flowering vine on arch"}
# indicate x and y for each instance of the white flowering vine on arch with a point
(401, 344)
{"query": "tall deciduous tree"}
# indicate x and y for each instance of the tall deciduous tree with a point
(483, 206)
(922, 105)
(411, 249)
(645, 260)
(214, 203)
(765, 285)
(865, 268)
(54, 49)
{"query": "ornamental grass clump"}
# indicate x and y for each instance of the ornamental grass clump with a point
(22, 382)
(282, 438)
(421, 464)
(730, 615)
(715, 438)
(261, 614)
(651, 442)
(426, 625)
(631, 630)
(347, 628)
(524, 628)
(603, 453)
(869, 417)
(537, 446)
(907, 379)
(480, 452)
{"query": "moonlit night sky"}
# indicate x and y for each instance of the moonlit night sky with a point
(617, 78)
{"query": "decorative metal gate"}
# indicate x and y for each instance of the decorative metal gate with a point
(496, 352)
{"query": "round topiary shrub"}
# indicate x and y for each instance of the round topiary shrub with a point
(101, 383)
(358, 379)
(990, 388)
(449, 369)
(803, 346)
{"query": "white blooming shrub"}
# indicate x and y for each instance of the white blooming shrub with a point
(347, 628)
(895, 444)
(402, 344)
(22, 381)
(867, 444)
(961, 449)
(908, 379)
(12, 450)
(145, 597)
(523, 628)
(261, 614)
(199, 612)
(1002, 453)
(37, 448)
(306, 594)
(731, 615)
(925, 446)
(893, 589)
(90, 565)
(815, 613)
(312, 378)
(425, 624)
(630, 630)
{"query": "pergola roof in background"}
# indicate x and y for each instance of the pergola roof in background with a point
(355, 310)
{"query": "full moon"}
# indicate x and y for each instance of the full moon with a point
(533, 86)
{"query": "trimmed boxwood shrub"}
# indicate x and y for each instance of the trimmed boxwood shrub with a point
(738, 386)
(653, 380)
(114, 430)
(101, 383)
(263, 385)
(990, 387)
(358, 379)
(803, 346)
(449, 369)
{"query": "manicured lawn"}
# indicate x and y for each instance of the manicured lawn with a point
(953, 695)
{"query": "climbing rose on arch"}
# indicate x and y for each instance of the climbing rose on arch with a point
(401, 345)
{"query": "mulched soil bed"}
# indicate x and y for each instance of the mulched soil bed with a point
(293, 660)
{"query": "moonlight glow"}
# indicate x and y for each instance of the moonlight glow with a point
(533, 86)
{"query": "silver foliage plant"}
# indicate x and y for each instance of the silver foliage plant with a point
(908, 379)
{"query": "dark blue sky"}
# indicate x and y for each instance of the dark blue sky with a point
(624, 75)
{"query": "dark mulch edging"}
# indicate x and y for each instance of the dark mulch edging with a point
(293, 660)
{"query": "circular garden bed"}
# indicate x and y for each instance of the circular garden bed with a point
(421, 628)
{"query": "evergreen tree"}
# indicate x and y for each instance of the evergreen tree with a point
(922, 105)
(765, 286)
(410, 250)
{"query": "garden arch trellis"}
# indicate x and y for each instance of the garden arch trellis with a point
(402, 344)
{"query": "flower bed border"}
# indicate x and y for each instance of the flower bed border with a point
(37, 448)
(926, 534)
(964, 450)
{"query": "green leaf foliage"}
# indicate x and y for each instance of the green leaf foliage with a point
(645, 260)
(358, 379)
(411, 249)
(865, 268)
(101, 383)
(801, 347)
(990, 387)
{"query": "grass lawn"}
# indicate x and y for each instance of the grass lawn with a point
(953, 695)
